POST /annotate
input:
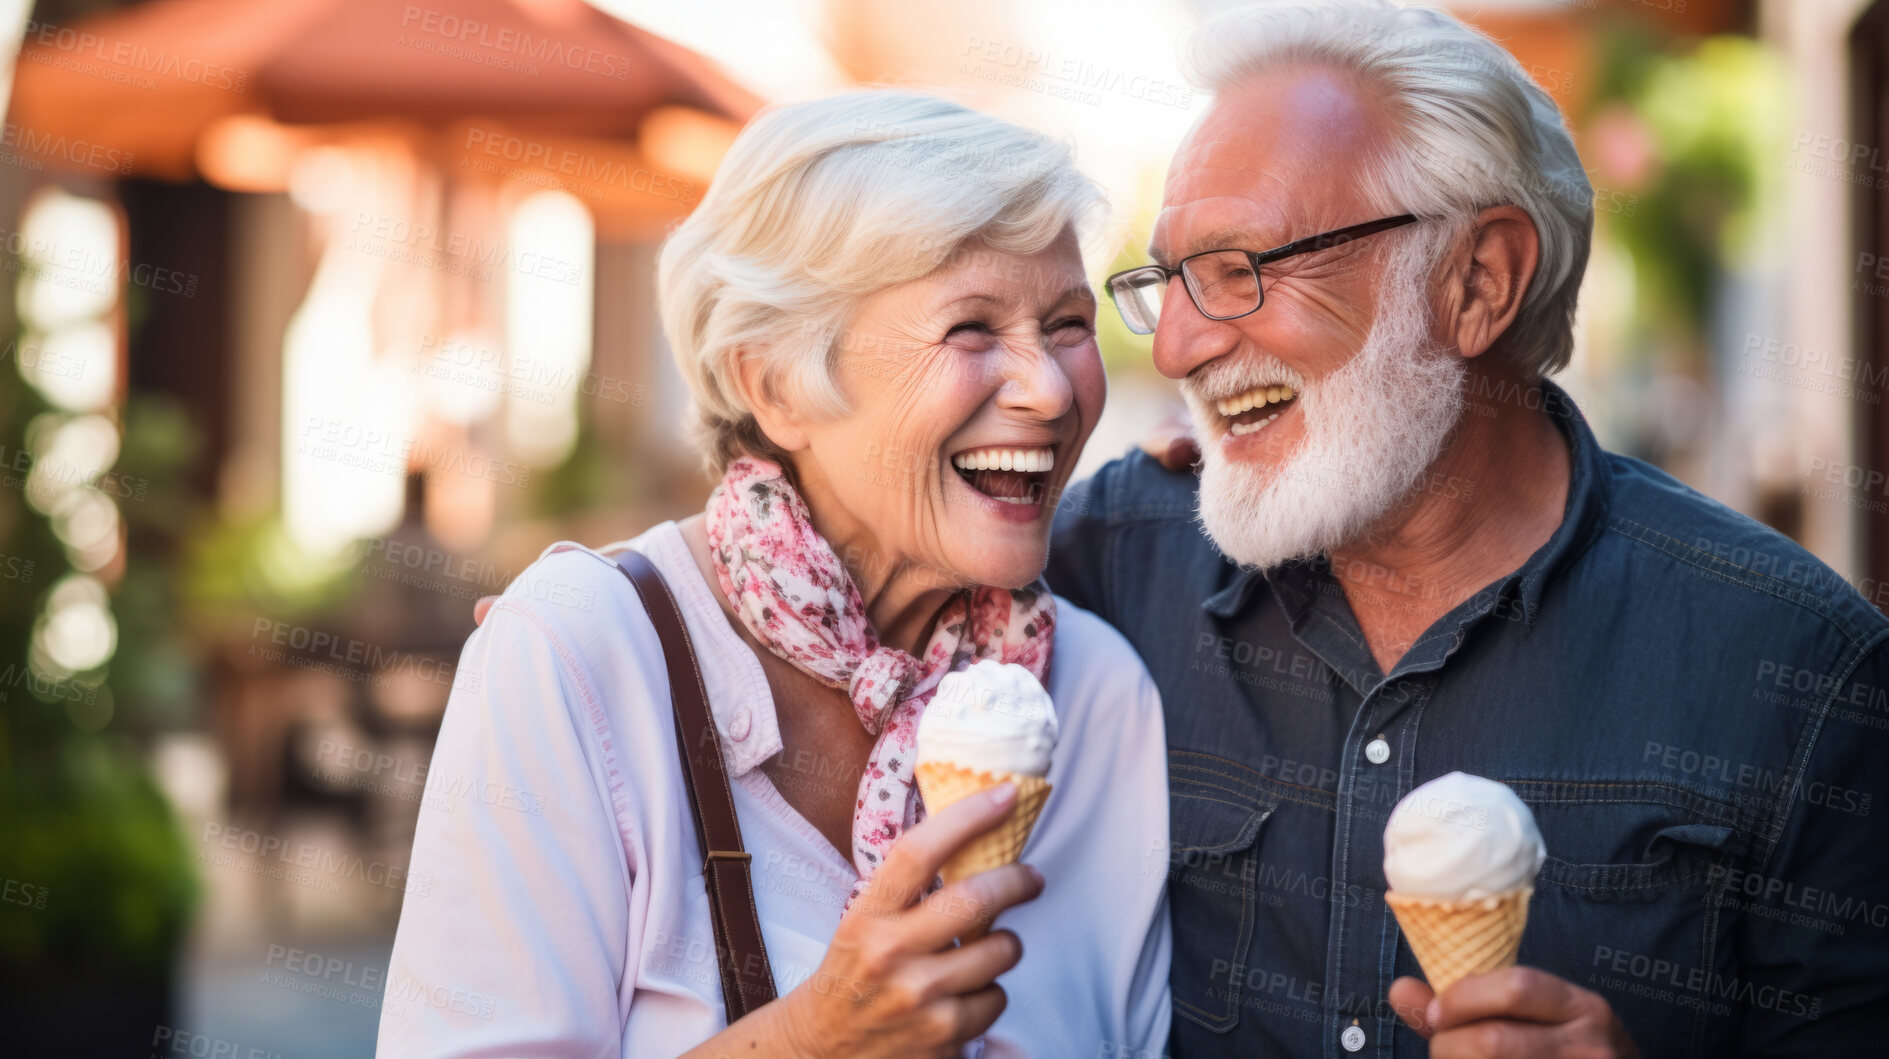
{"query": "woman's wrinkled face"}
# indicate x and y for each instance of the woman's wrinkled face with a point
(971, 394)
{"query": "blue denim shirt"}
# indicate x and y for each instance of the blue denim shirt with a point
(1693, 706)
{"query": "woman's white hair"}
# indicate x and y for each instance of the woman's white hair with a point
(1472, 130)
(818, 205)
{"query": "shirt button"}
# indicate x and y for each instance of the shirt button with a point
(1377, 751)
(1352, 1038)
(738, 728)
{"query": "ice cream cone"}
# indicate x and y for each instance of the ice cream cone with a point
(941, 783)
(1457, 938)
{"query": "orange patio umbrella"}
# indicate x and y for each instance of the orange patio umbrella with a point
(145, 89)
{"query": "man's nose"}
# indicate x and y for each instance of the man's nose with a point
(1184, 339)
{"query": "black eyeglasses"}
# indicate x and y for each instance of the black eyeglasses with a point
(1224, 284)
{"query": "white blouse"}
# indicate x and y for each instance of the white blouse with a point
(563, 911)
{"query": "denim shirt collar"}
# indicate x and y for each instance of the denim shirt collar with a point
(1298, 584)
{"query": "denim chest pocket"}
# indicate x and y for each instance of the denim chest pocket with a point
(1676, 855)
(1214, 829)
(1632, 842)
(1625, 904)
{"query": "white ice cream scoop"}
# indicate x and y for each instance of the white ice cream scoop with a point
(1461, 836)
(993, 717)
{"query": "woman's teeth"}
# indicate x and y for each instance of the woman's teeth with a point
(1029, 461)
(1010, 476)
(1257, 397)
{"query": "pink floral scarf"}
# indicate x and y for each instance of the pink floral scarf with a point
(793, 593)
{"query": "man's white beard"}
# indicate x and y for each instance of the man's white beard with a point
(1372, 428)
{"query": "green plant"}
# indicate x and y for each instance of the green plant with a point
(94, 867)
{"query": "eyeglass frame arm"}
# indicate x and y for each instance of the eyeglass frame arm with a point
(1260, 258)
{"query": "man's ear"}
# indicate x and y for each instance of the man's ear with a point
(1487, 293)
(781, 424)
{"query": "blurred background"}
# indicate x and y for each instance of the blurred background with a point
(320, 319)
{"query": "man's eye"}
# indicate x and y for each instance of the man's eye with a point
(1234, 277)
(968, 327)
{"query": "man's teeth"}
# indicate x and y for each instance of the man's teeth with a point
(1257, 397)
(1029, 461)
(1240, 429)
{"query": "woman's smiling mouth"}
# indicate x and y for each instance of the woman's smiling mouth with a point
(1009, 475)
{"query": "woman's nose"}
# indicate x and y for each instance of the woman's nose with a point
(1034, 381)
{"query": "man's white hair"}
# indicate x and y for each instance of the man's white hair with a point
(1471, 130)
(820, 204)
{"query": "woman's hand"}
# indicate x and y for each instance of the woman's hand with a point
(893, 983)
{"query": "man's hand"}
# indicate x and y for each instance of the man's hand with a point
(1172, 441)
(1519, 1011)
(484, 605)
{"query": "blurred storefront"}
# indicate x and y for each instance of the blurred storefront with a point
(331, 314)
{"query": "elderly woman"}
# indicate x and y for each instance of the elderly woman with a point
(881, 314)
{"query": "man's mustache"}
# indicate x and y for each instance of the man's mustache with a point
(1229, 376)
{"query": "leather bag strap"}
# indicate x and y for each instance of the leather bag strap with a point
(746, 981)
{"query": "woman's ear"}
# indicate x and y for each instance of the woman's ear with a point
(1503, 250)
(781, 424)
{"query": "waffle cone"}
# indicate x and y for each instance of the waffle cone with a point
(1457, 938)
(941, 783)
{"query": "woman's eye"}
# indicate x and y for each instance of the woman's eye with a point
(969, 327)
(1072, 330)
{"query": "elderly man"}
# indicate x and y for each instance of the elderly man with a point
(1417, 560)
